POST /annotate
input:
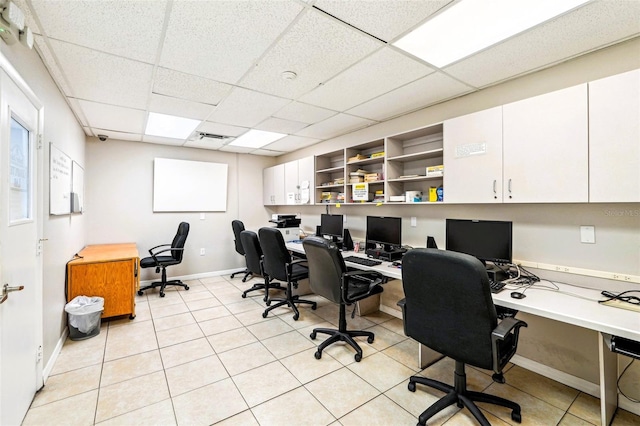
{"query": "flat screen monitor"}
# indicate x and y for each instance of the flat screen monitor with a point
(384, 230)
(488, 240)
(331, 225)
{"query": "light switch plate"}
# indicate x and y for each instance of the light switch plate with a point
(414, 221)
(588, 234)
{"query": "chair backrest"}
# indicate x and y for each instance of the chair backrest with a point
(238, 227)
(326, 267)
(448, 304)
(276, 256)
(252, 251)
(179, 240)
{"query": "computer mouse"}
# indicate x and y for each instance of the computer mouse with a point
(517, 295)
(396, 263)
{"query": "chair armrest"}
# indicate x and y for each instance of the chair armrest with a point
(163, 251)
(151, 250)
(361, 276)
(509, 328)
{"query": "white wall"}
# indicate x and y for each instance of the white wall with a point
(64, 234)
(119, 203)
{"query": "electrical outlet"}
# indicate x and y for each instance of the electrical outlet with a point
(201, 216)
(588, 234)
(414, 221)
(201, 252)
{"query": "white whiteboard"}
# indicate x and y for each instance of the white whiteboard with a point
(59, 181)
(189, 186)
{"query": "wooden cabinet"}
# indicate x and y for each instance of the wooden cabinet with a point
(109, 271)
(408, 157)
(473, 157)
(545, 148)
(273, 185)
(614, 138)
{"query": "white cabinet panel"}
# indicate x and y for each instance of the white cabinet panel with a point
(614, 138)
(545, 146)
(273, 185)
(473, 158)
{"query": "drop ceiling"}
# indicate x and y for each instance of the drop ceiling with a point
(226, 63)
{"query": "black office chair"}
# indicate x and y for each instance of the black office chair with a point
(176, 250)
(279, 265)
(253, 254)
(329, 277)
(448, 307)
(238, 227)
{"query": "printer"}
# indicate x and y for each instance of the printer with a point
(285, 220)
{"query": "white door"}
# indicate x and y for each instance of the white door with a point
(20, 260)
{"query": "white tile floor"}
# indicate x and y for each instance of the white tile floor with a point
(206, 356)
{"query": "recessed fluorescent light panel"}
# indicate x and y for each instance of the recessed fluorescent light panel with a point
(170, 126)
(472, 25)
(257, 138)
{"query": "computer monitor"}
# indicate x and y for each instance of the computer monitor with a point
(384, 230)
(488, 240)
(331, 225)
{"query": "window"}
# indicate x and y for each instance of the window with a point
(20, 173)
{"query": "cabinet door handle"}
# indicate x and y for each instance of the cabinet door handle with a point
(495, 191)
(510, 189)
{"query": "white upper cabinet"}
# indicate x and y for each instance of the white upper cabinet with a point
(545, 148)
(614, 138)
(473, 158)
(273, 185)
(298, 181)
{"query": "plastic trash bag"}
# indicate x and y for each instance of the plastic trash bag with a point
(83, 312)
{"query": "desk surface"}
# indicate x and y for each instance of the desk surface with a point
(107, 253)
(569, 304)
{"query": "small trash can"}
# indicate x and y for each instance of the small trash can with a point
(84, 316)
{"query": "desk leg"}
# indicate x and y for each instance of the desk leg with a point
(608, 379)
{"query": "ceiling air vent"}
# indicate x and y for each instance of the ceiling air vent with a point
(218, 138)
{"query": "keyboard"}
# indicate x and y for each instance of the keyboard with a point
(362, 261)
(496, 286)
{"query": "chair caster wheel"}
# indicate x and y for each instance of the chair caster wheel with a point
(412, 386)
(318, 355)
(313, 335)
(186, 287)
(244, 295)
(358, 357)
(295, 317)
(314, 307)
(370, 339)
(140, 293)
(161, 294)
(516, 417)
(268, 302)
(264, 315)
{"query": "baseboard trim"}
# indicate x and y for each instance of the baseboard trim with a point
(54, 356)
(393, 312)
(197, 276)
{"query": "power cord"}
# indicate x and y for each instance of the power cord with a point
(618, 384)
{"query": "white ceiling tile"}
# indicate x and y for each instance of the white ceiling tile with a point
(162, 141)
(334, 126)
(131, 29)
(205, 143)
(114, 118)
(291, 143)
(304, 113)
(280, 125)
(221, 129)
(383, 19)
(267, 153)
(222, 39)
(592, 26)
(136, 137)
(429, 90)
(102, 77)
(316, 48)
(179, 107)
(43, 50)
(246, 108)
(180, 85)
(381, 72)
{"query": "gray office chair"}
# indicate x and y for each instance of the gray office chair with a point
(279, 265)
(329, 277)
(160, 262)
(254, 256)
(238, 227)
(448, 307)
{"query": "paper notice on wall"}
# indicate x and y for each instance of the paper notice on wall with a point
(361, 191)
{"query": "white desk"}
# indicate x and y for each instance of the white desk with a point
(561, 306)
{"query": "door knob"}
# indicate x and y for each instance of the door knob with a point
(6, 290)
